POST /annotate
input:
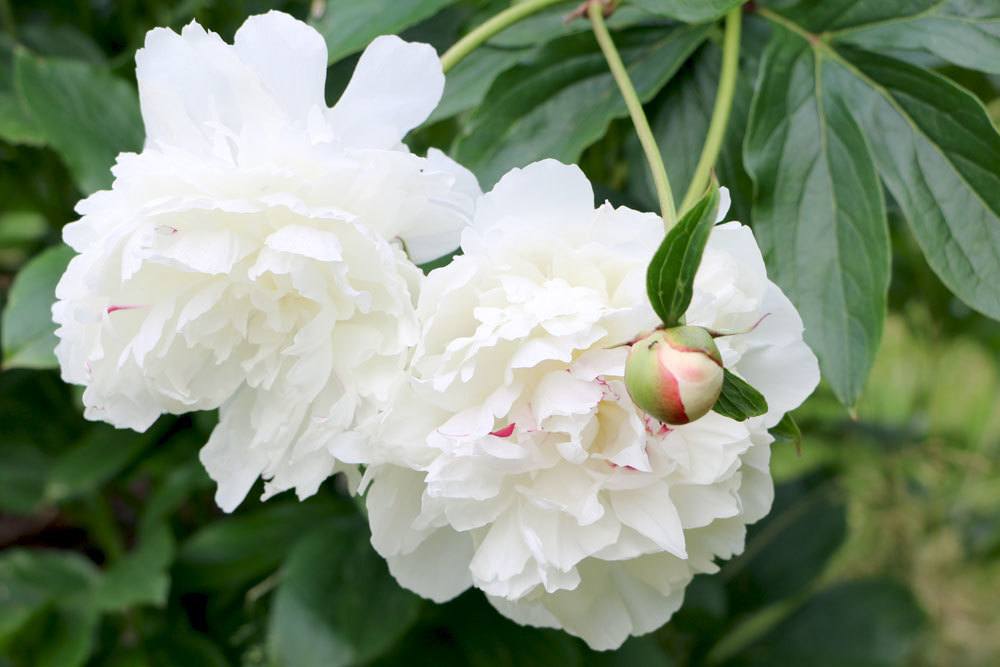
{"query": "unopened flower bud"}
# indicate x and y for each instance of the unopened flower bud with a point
(675, 375)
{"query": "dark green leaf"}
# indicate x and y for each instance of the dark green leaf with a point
(337, 603)
(83, 468)
(934, 145)
(22, 477)
(835, 15)
(466, 84)
(670, 276)
(348, 26)
(16, 124)
(21, 227)
(789, 549)
(87, 115)
(31, 579)
(140, 577)
(818, 210)
(636, 651)
(964, 32)
(236, 550)
(689, 11)
(469, 632)
(866, 623)
(28, 332)
(739, 400)
(787, 430)
(564, 98)
(939, 155)
(439, 262)
(61, 637)
(552, 23)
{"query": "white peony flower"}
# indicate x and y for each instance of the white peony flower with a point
(515, 461)
(250, 258)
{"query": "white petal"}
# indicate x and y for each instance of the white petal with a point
(546, 193)
(439, 234)
(395, 86)
(288, 56)
(725, 201)
(651, 511)
(437, 569)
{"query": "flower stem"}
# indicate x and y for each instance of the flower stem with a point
(482, 33)
(720, 112)
(596, 13)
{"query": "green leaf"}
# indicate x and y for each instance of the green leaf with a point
(563, 99)
(635, 651)
(738, 399)
(337, 603)
(689, 11)
(485, 638)
(141, 576)
(790, 548)
(16, 125)
(818, 210)
(19, 228)
(61, 637)
(85, 467)
(670, 276)
(348, 26)
(963, 32)
(934, 146)
(838, 15)
(787, 430)
(235, 550)
(22, 478)
(28, 333)
(32, 579)
(84, 112)
(939, 155)
(444, 260)
(865, 623)
(467, 83)
(551, 23)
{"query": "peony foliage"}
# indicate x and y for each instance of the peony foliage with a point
(461, 277)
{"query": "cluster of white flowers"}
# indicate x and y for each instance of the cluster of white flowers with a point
(258, 257)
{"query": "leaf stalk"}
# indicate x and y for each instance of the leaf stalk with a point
(482, 33)
(720, 111)
(595, 11)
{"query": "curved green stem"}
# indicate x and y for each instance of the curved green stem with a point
(720, 112)
(482, 33)
(596, 13)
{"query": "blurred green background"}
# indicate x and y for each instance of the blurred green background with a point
(883, 547)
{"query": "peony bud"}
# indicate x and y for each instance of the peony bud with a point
(675, 375)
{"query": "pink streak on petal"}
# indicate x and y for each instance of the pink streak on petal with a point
(506, 431)
(115, 308)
